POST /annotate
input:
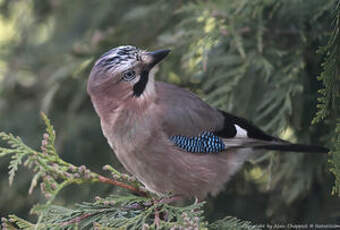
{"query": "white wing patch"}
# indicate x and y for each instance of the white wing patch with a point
(240, 132)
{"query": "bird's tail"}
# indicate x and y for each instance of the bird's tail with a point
(289, 147)
(277, 145)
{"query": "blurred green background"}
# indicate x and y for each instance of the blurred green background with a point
(256, 59)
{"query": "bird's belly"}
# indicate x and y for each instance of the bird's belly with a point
(164, 169)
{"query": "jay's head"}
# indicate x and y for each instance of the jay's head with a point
(123, 73)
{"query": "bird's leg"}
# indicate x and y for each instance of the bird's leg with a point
(157, 220)
(163, 216)
(198, 200)
(168, 200)
(135, 206)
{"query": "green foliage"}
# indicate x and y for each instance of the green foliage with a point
(330, 77)
(335, 161)
(232, 223)
(121, 212)
(127, 212)
(329, 101)
(20, 223)
(18, 147)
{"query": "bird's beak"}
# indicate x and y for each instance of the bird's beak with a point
(153, 58)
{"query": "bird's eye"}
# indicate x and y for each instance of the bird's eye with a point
(129, 75)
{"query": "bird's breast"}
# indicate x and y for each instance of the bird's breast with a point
(128, 133)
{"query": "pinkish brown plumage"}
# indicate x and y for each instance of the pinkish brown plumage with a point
(139, 116)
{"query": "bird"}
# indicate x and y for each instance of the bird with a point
(166, 136)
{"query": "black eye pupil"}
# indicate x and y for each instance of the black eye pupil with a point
(129, 75)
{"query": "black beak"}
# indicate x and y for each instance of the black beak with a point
(156, 57)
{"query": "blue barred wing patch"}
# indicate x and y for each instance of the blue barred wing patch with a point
(206, 142)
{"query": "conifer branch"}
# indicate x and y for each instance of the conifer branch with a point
(328, 106)
(106, 180)
(329, 95)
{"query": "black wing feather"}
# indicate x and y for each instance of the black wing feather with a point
(229, 129)
(265, 141)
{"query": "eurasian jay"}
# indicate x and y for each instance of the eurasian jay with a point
(166, 136)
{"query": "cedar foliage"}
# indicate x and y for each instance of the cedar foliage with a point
(256, 59)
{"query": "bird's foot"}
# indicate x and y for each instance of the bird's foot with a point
(157, 219)
(159, 216)
(171, 199)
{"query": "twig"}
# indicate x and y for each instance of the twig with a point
(77, 219)
(106, 180)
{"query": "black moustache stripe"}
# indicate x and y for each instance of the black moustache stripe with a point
(140, 86)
